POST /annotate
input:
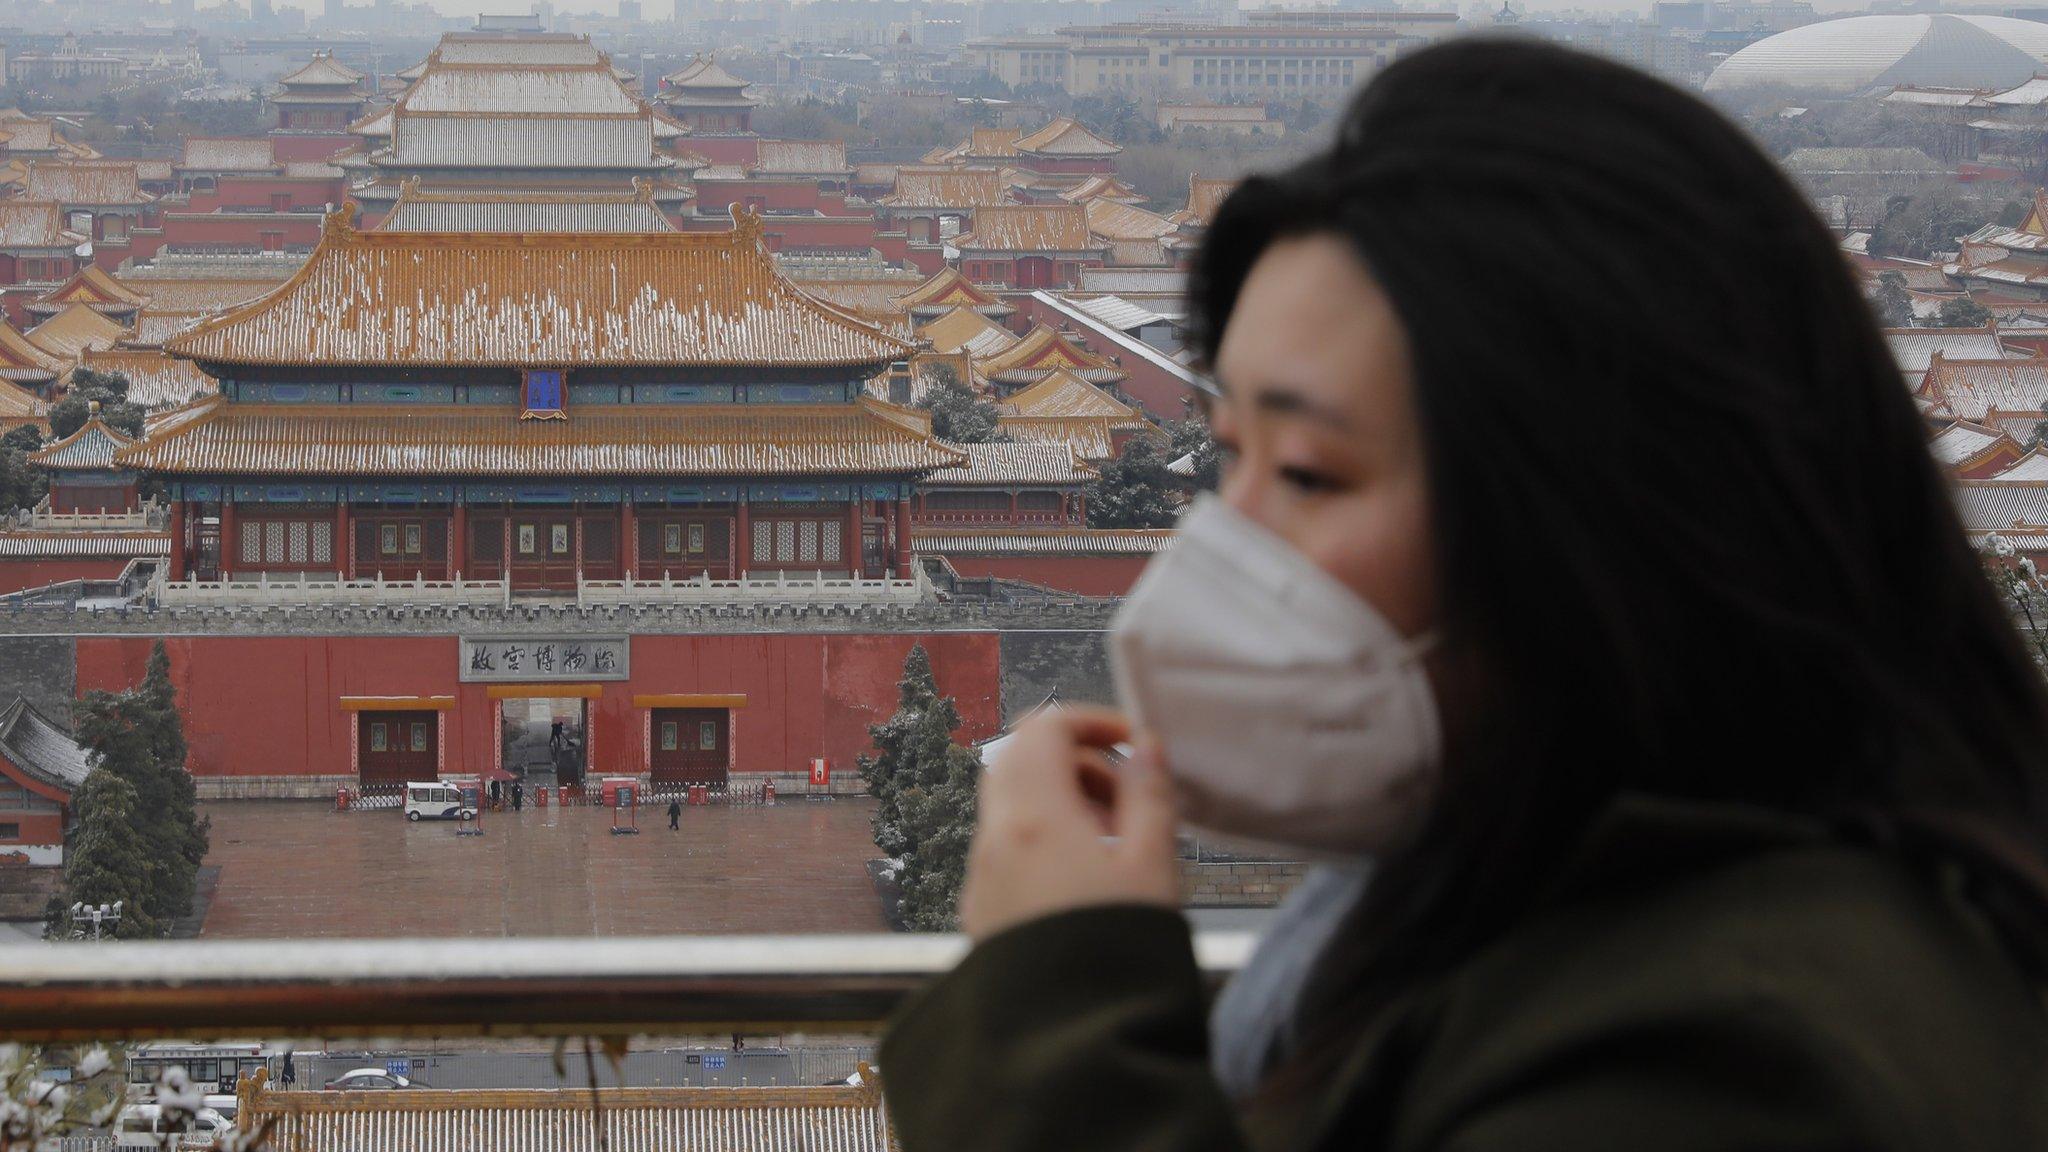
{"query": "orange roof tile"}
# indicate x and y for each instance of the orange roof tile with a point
(35, 224)
(22, 359)
(951, 188)
(1102, 188)
(965, 328)
(487, 440)
(675, 298)
(19, 405)
(1030, 228)
(1066, 137)
(154, 379)
(1062, 393)
(801, 158)
(1091, 437)
(1113, 220)
(1204, 197)
(947, 290)
(323, 70)
(107, 182)
(92, 287)
(988, 142)
(75, 329)
(1043, 351)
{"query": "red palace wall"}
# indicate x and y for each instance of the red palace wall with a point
(1086, 575)
(713, 196)
(289, 146)
(17, 574)
(271, 706)
(257, 192)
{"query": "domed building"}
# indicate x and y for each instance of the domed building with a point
(1864, 52)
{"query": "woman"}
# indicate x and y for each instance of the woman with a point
(1700, 772)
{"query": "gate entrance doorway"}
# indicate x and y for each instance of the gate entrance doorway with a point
(546, 740)
(395, 747)
(690, 746)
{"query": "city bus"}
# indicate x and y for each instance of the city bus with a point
(212, 1068)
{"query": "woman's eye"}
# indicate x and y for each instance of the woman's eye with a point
(1306, 479)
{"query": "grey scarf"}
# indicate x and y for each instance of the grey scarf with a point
(1253, 1027)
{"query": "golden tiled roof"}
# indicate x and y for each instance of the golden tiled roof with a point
(75, 329)
(1062, 393)
(949, 188)
(948, 290)
(474, 440)
(1102, 188)
(103, 182)
(1114, 220)
(963, 327)
(201, 295)
(1091, 437)
(983, 142)
(23, 359)
(35, 224)
(1043, 351)
(18, 405)
(1204, 197)
(419, 298)
(801, 157)
(1030, 228)
(154, 379)
(93, 287)
(1066, 137)
(323, 70)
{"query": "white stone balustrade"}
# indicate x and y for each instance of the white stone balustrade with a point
(762, 589)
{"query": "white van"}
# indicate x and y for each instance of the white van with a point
(142, 1126)
(436, 801)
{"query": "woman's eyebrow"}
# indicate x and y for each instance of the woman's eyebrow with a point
(1287, 402)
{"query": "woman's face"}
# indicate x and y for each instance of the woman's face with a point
(1318, 428)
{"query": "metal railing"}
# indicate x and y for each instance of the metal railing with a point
(200, 989)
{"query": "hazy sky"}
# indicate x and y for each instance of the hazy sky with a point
(660, 9)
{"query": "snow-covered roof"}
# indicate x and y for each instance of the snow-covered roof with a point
(1960, 441)
(1120, 313)
(1043, 542)
(534, 212)
(40, 749)
(1025, 462)
(91, 447)
(1914, 348)
(667, 298)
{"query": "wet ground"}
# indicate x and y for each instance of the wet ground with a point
(299, 869)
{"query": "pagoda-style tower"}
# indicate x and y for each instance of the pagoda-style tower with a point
(707, 99)
(323, 97)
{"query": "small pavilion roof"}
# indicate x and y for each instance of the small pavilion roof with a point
(412, 298)
(528, 212)
(1066, 137)
(1103, 188)
(947, 290)
(476, 440)
(92, 287)
(1030, 228)
(90, 448)
(35, 224)
(47, 754)
(965, 330)
(1115, 220)
(702, 83)
(323, 71)
(1062, 393)
(75, 329)
(1043, 351)
(110, 183)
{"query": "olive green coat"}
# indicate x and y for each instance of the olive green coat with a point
(1705, 979)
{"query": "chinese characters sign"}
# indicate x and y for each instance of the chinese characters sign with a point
(541, 395)
(523, 658)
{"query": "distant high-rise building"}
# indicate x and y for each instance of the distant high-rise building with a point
(336, 11)
(629, 10)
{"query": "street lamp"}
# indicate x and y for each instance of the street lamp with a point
(95, 915)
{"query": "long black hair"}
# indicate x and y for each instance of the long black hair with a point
(1688, 536)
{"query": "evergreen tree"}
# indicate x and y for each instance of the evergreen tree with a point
(926, 787)
(1191, 439)
(139, 736)
(1135, 490)
(1894, 306)
(1963, 312)
(110, 390)
(109, 860)
(959, 413)
(24, 438)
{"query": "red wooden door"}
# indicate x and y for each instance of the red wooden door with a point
(543, 555)
(394, 747)
(691, 746)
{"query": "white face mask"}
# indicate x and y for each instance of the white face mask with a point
(1290, 712)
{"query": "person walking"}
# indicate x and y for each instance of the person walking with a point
(675, 815)
(1579, 581)
(518, 795)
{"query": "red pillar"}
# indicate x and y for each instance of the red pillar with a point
(850, 549)
(903, 538)
(458, 544)
(743, 547)
(1013, 506)
(178, 530)
(628, 547)
(344, 542)
(230, 544)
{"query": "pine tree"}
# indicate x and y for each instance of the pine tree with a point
(959, 413)
(926, 785)
(138, 736)
(109, 859)
(1894, 305)
(1135, 490)
(1191, 438)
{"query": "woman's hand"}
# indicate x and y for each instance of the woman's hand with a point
(1060, 827)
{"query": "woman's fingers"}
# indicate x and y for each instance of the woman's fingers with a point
(1145, 817)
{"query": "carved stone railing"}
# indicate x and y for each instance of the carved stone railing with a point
(782, 588)
(149, 517)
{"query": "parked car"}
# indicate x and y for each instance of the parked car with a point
(436, 802)
(370, 1080)
(144, 1126)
